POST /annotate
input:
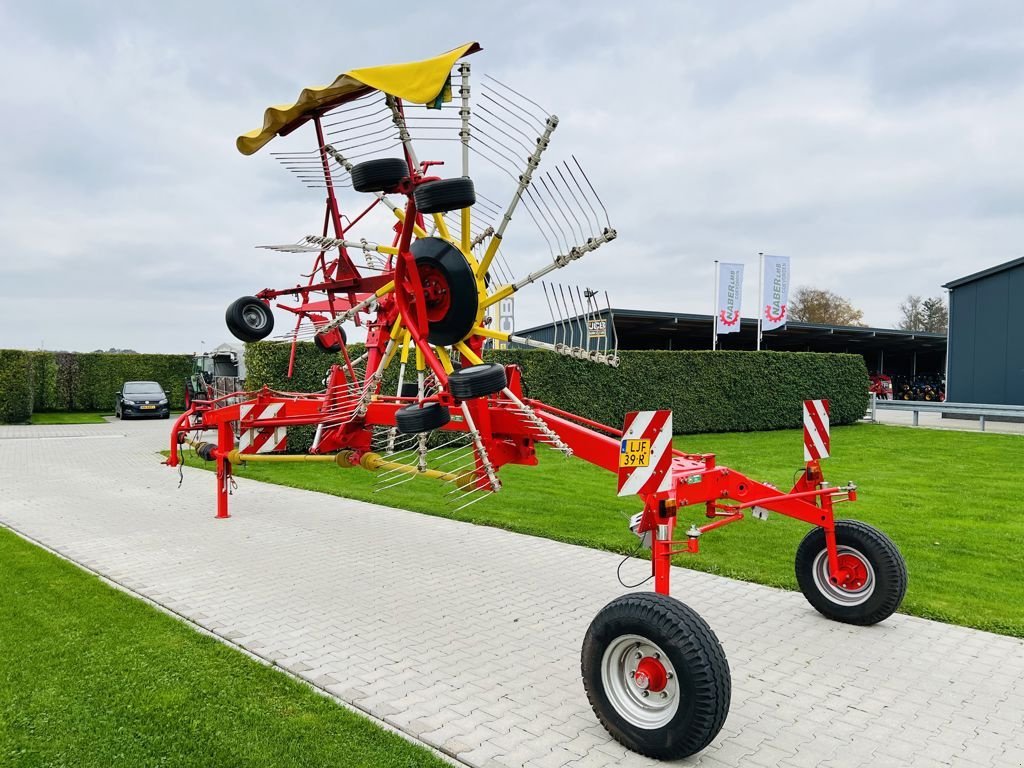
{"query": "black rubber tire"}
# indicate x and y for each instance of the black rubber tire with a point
(887, 564)
(445, 195)
(249, 319)
(381, 175)
(410, 389)
(702, 673)
(331, 349)
(460, 318)
(477, 381)
(414, 419)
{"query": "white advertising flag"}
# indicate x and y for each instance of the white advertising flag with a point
(730, 296)
(775, 293)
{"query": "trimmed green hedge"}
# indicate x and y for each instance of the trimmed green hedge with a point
(722, 391)
(16, 377)
(72, 381)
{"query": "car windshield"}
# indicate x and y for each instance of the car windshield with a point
(143, 388)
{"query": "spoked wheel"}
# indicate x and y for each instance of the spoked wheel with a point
(656, 675)
(249, 319)
(872, 580)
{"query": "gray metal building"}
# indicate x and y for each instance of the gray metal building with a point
(906, 354)
(986, 336)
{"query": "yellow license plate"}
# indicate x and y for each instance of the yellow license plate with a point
(149, 407)
(635, 453)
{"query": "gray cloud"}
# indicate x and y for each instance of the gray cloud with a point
(877, 145)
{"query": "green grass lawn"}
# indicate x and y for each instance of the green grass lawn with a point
(68, 417)
(93, 677)
(950, 500)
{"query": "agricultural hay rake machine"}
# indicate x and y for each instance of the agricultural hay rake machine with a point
(420, 401)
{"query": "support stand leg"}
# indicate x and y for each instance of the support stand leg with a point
(225, 442)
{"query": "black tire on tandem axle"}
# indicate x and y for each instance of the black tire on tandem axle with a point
(381, 175)
(445, 195)
(879, 578)
(477, 381)
(414, 419)
(249, 319)
(656, 675)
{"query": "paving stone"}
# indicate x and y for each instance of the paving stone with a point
(468, 637)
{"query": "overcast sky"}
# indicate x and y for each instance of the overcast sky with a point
(878, 144)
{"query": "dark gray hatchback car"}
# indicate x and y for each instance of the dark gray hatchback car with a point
(141, 398)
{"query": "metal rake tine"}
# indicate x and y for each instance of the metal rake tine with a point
(565, 205)
(594, 191)
(385, 130)
(584, 197)
(533, 195)
(375, 151)
(585, 314)
(611, 321)
(513, 109)
(579, 316)
(556, 325)
(367, 121)
(524, 145)
(374, 109)
(566, 239)
(513, 161)
(602, 341)
(517, 93)
(405, 479)
(569, 316)
(576, 201)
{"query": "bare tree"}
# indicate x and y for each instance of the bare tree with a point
(919, 314)
(817, 305)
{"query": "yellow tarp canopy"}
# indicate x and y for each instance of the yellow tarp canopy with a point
(419, 82)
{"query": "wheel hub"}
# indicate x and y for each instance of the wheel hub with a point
(852, 585)
(639, 681)
(436, 292)
(650, 675)
(853, 571)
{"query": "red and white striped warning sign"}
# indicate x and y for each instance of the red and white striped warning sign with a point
(816, 439)
(645, 453)
(258, 439)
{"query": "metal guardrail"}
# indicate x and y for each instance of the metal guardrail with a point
(916, 407)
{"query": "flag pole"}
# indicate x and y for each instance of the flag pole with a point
(760, 295)
(714, 312)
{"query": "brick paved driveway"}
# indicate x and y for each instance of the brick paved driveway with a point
(468, 637)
